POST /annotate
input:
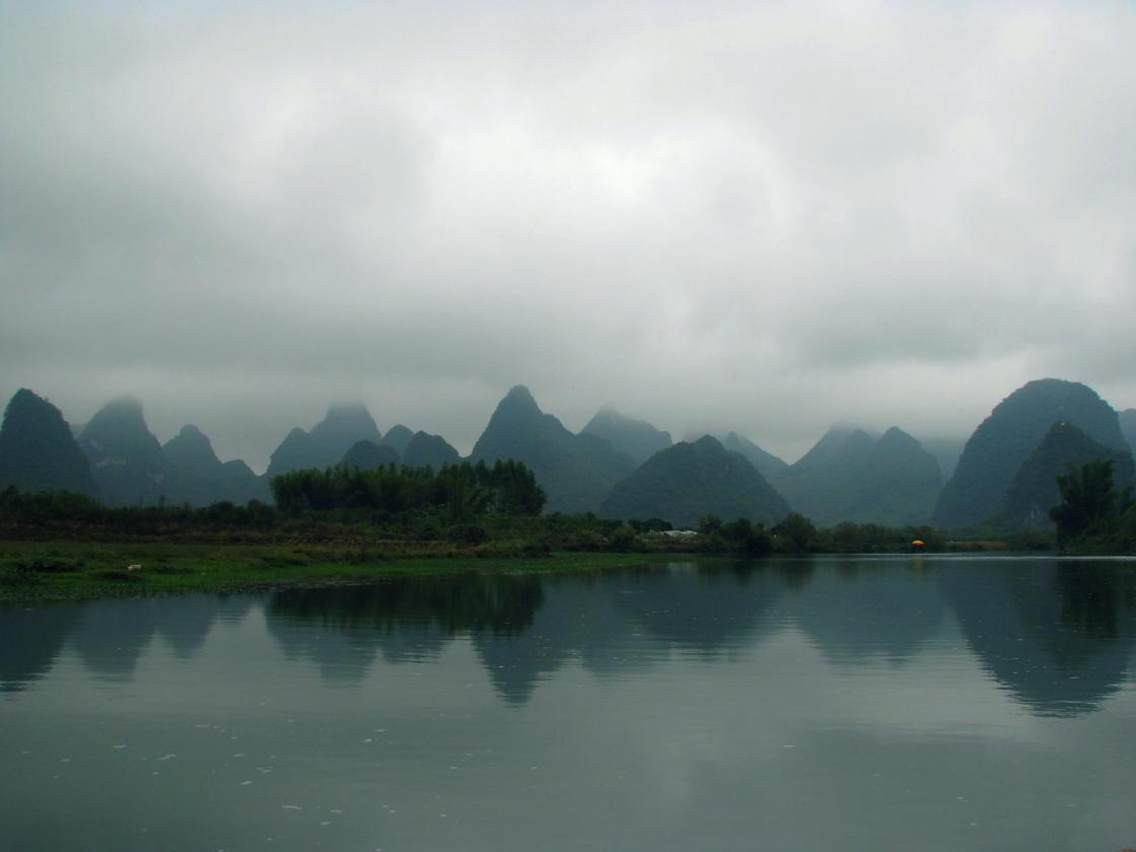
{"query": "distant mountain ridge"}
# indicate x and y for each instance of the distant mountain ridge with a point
(1004, 440)
(398, 437)
(576, 471)
(425, 450)
(367, 455)
(1034, 491)
(767, 464)
(127, 460)
(342, 426)
(637, 439)
(850, 475)
(946, 452)
(1128, 427)
(689, 480)
(200, 478)
(38, 451)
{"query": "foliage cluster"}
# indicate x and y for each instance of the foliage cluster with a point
(462, 492)
(1094, 515)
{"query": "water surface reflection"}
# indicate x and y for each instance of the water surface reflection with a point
(1056, 634)
(852, 703)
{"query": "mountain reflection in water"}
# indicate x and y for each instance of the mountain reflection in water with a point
(1057, 635)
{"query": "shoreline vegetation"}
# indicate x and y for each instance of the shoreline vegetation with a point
(345, 524)
(56, 547)
(49, 569)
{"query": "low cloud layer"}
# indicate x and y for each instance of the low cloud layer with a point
(765, 217)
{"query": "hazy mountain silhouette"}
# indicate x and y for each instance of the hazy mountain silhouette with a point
(342, 427)
(823, 483)
(127, 461)
(1033, 491)
(637, 439)
(38, 451)
(576, 471)
(398, 437)
(1128, 427)
(686, 481)
(200, 478)
(850, 475)
(767, 464)
(296, 452)
(946, 451)
(425, 450)
(367, 455)
(1004, 440)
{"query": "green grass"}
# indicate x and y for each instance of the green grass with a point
(66, 570)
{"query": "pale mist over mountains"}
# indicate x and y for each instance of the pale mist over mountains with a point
(619, 467)
(761, 219)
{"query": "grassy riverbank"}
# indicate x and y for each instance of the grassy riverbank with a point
(32, 571)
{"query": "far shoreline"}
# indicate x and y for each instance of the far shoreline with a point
(41, 571)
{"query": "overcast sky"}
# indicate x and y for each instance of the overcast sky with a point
(760, 216)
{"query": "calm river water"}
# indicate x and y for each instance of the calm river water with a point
(914, 703)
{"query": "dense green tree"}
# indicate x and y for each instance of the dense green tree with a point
(1089, 500)
(709, 524)
(462, 492)
(797, 532)
(747, 537)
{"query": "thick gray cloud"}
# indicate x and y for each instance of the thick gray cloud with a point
(765, 217)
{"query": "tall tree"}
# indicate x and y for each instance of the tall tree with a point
(1088, 499)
